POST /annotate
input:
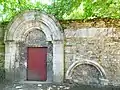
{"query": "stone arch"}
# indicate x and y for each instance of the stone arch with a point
(85, 62)
(35, 19)
(24, 23)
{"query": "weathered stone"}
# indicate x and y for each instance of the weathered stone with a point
(25, 31)
(97, 40)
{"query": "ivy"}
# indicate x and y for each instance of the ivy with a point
(63, 9)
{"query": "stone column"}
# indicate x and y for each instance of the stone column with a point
(58, 61)
(10, 48)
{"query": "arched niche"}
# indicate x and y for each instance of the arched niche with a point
(20, 28)
(86, 72)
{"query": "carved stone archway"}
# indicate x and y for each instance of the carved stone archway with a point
(86, 72)
(20, 27)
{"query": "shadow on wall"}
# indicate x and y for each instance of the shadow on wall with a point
(2, 74)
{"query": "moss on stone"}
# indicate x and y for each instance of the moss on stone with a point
(2, 48)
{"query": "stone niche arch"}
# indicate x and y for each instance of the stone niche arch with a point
(71, 74)
(17, 30)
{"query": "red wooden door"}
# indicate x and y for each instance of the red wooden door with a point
(36, 63)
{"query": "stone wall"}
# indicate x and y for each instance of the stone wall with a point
(2, 49)
(96, 40)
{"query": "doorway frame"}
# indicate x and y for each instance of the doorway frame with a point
(22, 24)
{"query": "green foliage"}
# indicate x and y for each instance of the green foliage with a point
(63, 9)
(96, 8)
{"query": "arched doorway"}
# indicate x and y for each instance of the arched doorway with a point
(36, 39)
(31, 30)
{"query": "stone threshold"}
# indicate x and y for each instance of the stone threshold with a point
(35, 82)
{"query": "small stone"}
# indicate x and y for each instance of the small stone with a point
(67, 88)
(18, 87)
(58, 88)
(61, 86)
(75, 80)
(39, 85)
(49, 88)
(54, 86)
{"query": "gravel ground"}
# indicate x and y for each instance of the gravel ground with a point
(36, 87)
(30, 86)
